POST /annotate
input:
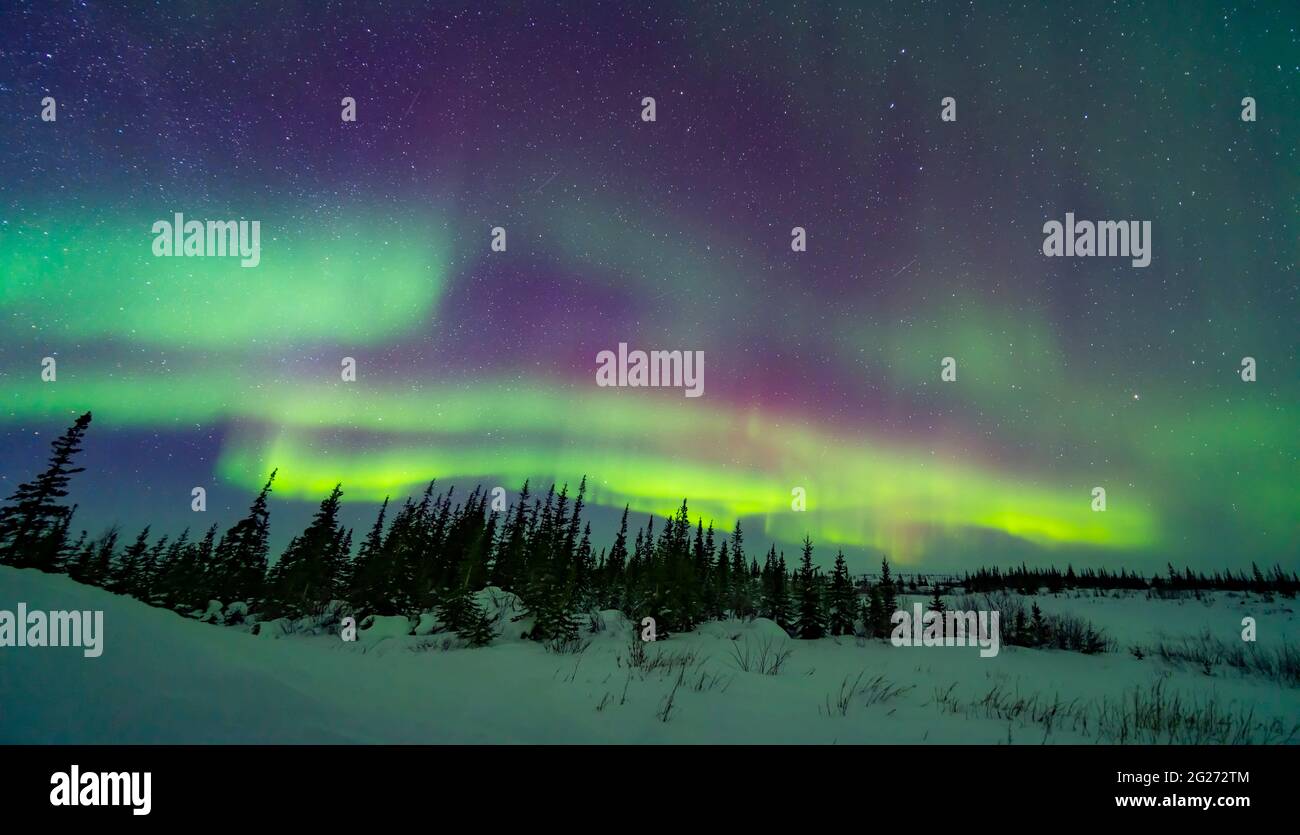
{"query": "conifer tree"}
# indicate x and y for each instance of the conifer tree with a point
(703, 564)
(422, 573)
(738, 545)
(767, 583)
(843, 598)
(540, 538)
(776, 592)
(79, 566)
(615, 568)
(812, 622)
(204, 571)
(508, 569)
(582, 573)
(720, 588)
(557, 553)
(241, 555)
(888, 598)
(306, 577)
(575, 522)
(1017, 633)
(783, 610)
(176, 573)
(71, 548)
(453, 608)
(362, 580)
(146, 576)
(677, 599)
(478, 630)
(1257, 578)
(1038, 630)
(553, 612)
(475, 565)
(125, 574)
(875, 618)
(105, 558)
(33, 525)
(937, 606)
(742, 588)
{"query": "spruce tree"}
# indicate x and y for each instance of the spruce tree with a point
(554, 614)
(461, 613)
(843, 598)
(147, 574)
(812, 622)
(781, 597)
(81, 565)
(33, 525)
(876, 619)
(101, 572)
(1038, 629)
(176, 573)
(475, 567)
(306, 577)
(937, 606)
(571, 543)
(615, 568)
(1017, 634)
(776, 592)
(241, 555)
(583, 575)
(710, 559)
(742, 588)
(556, 549)
(198, 596)
(478, 629)
(508, 570)
(721, 587)
(888, 598)
(363, 580)
(124, 576)
(453, 608)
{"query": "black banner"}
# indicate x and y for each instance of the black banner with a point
(233, 785)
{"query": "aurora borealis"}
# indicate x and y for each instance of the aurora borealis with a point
(823, 367)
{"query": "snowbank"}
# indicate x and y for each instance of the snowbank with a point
(378, 627)
(163, 678)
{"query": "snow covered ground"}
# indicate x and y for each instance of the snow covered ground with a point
(167, 679)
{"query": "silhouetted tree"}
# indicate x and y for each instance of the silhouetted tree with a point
(888, 598)
(308, 574)
(843, 598)
(812, 621)
(241, 555)
(33, 525)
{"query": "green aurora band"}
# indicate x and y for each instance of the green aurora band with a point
(360, 287)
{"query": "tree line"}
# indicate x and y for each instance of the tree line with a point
(432, 552)
(1032, 580)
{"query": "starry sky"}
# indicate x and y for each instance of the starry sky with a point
(924, 241)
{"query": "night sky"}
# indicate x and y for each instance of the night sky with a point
(924, 241)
